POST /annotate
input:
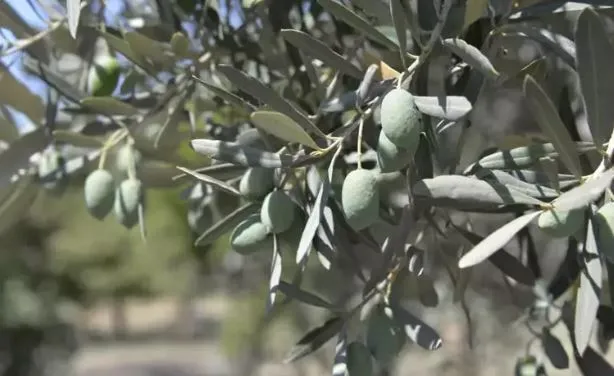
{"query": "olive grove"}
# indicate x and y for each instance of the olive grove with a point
(356, 151)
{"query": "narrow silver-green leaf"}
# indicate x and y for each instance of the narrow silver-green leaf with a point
(496, 240)
(585, 193)
(554, 350)
(587, 300)
(258, 90)
(313, 222)
(506, 263)
(236, 153)
(109, 106)
(227, 96)
(282, 127)
(73, 8)
(463, 192)
(547, 117)
(397, 12)
(418, 332)
(314, 339)
(295, 292)
(211, 181)
(454, 108)
(472, 56)
(275, 274)
(344, 14)
(321, 51)
(595, 57)
(227, 223)
(77, 139)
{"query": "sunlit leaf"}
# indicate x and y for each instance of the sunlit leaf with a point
(454, 108)
(73, 8)
(283, 127)
(497, 240)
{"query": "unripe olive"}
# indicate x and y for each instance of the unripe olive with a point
(127, 156)
(393, 158)
(99, 190)
(384, 337)
(359, 361)
(604, 228)
(103, 76)
(128, 197)
(401, 120)
(560, 224)
(251, 236)
(360, 199)
(256, 182)
(277, 211)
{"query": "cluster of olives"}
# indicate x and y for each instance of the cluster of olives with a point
(279, 215)
(396, 147)
(126, 200)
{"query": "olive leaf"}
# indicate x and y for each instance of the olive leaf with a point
(109, 106)
(340, 366)
(587, 299)
(77, 139)
(344, 14)
(267, 95)
(418, 332)
(497, 240)
(275, 275)
(314, 339)
(321, 51)
(458, 191)
(548, 119)
(454, 108)
(472, 56)
(295, 292)
(148, 48)
(595, 56)
(506, 263)
(120, 45)
(73, 8)
(554, 350)
(227, 223)
(211, 181)
(313, 222)
(525, 156)
(397, 13)
(227, 96)
(283, 127)
(585, 193)
(236, 153)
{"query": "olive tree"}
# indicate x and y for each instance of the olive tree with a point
(345, 131)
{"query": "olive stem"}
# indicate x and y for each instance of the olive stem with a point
(113, 140)
(359, 142)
